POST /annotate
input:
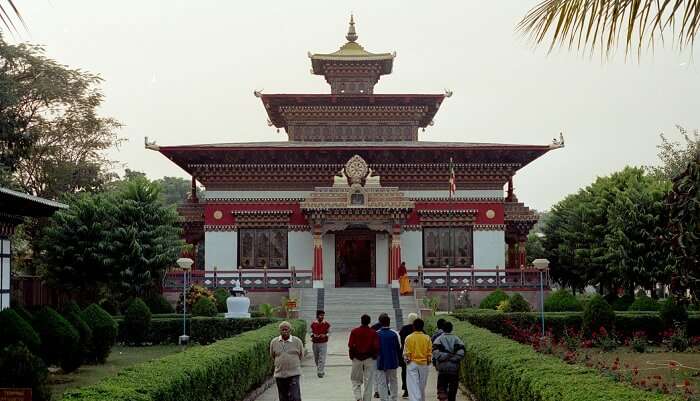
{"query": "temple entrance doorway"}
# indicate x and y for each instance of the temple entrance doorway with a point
(355, 258)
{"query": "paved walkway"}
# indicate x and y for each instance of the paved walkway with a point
(335, 385)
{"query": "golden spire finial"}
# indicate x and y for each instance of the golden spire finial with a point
(352, 35)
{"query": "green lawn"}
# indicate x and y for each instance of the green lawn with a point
(120, 358)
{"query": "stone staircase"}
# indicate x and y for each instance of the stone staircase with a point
(344, 306)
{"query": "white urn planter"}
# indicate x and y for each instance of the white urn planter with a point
(237, 304)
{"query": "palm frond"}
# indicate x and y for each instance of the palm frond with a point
(605, 24)
(7, 14)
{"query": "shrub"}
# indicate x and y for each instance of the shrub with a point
(518, 303)
(673, 311)
(70, 306)
(16, 330)
(104, 332)
(562, 301)
(84, 331)
(194, 293)
(204, 307)
(493, 299)
(137, 320)
(158, 304)
(623, 302)
(60, 341)
(598, 313)
(639, 342)
(23, 313)
(268, 310)
(221, 294)
(644, 303)
(503, 306)
(678, 341)
(22, 369)
(110, 306)
(226, 370)
(498, 369)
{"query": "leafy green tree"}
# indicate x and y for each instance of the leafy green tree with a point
(675, 156)
(51, 137)
(144, 238)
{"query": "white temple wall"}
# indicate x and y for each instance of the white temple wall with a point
(221, 250)
(328, 244)
(489, 249)
(412, 249)
(381, 262)
(4, 273)
(300, 249)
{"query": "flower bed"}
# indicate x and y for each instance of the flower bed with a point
(498, 369)
(226, 370)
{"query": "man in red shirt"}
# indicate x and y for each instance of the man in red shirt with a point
(320, 329)
(364, 348)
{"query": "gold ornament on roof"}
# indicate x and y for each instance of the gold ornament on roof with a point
(356, 169)
(352, 35)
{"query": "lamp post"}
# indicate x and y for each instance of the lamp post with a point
(541, 265)
(185, 264)
(449, 290)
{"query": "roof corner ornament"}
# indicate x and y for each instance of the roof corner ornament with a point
(270, 123)
(393, 54)
(352, 35)
(150, 145)
(340, 180)
(258, 93)
(448, 93)
(308, 53)
(558, 143)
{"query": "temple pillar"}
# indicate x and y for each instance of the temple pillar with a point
(512, 253)
(395, 256)
(522, 254)
(317, 274)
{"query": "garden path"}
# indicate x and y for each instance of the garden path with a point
(335, 385)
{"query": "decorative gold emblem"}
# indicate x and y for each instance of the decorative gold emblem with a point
(356, 169)
(490, 214)
(218, 215)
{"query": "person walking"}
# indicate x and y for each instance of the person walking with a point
(320, 329)
(448, 352)
(363, 347)
(417, 353)
(287, 351)
(403, 333)
(440, 322)
(388, 360)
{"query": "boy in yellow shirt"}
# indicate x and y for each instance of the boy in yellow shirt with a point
(417, 353)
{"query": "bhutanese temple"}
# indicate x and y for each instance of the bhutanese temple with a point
(352, 192)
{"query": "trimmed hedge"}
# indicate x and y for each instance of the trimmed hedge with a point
(644, 303)
(221, 295)
(673, 311)
(597, 313)
(226, 371)
(498, 369)
(204, 307)
(16, 330)
(22, 369)
(137, 319)
(104, 332)
(84, 331)
(493, 299)
(60, 341)
(158, 304)
(23, 313)
(203, 330)
(519, 304)
(562, 301)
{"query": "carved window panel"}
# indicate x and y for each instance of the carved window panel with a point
(263, 248)
(448, 246)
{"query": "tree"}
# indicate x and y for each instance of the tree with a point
(145, 238)
(51, 137)
(604, 23)
(175, 190)
(684, 226)
(675, 156)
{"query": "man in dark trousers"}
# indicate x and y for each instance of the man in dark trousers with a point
(363, 347)
(403, 333)
(388, 361)
(287, 351)
(448, 352)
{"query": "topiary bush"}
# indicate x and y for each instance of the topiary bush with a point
(104, 332)
(110, 306)
(70, 306)
(60, 341)
(137, 320)
(158, 304)
(562, 301)
(519, 304)
(221, 294)
(16, 330)
(84, 331)
(22, 369)
(204, 307)
(493, 299)
(23, 313)
(672, 311)
(598, 313)
(622, 303)
(644, 303)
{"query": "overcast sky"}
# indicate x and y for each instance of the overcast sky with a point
(183, 72)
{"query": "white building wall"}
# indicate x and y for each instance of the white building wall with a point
(221, 250)
(300, 249)
(412, 248)
(381, 262)
(489, 249)
(328, 243)
(4, 274)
